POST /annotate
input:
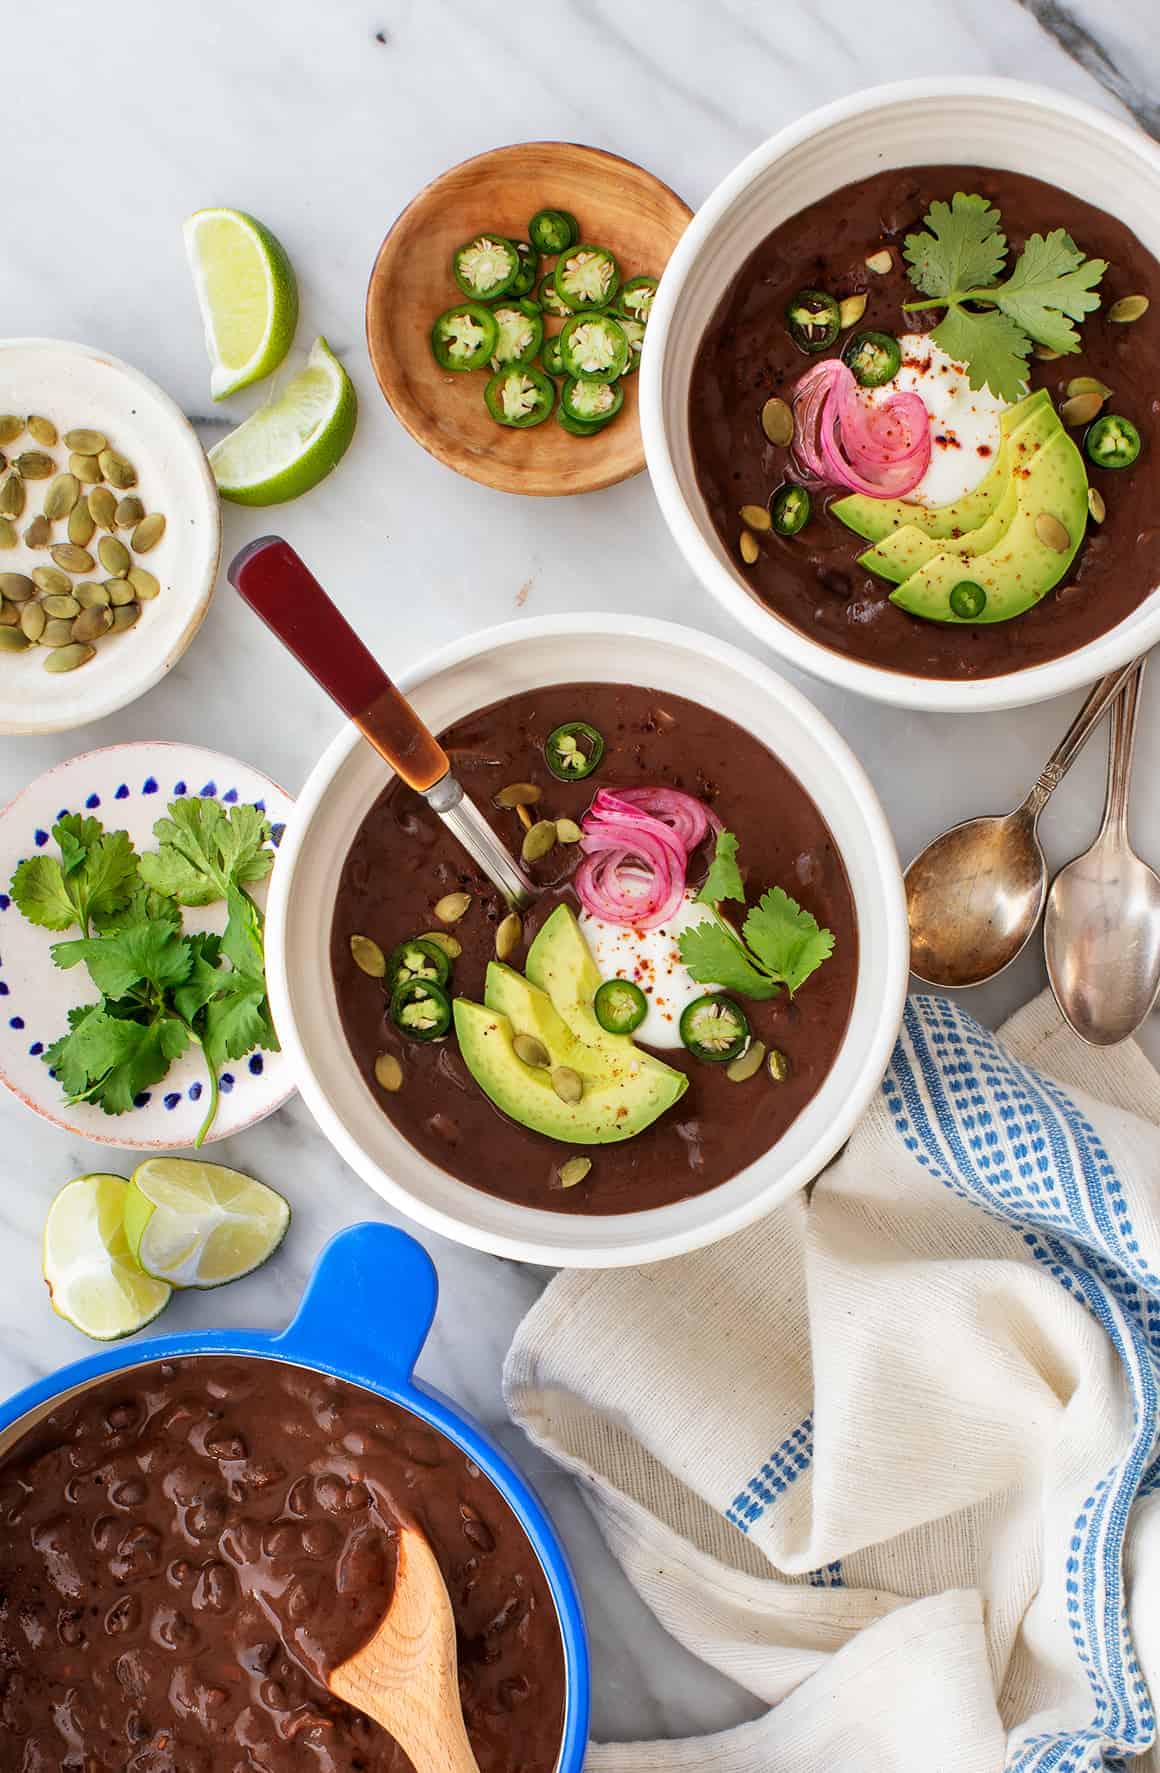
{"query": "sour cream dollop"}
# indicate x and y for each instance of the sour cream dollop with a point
(652, 960)
(964, 422)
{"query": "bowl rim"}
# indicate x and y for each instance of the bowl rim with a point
(893, 946)
(120, 693)
(1016, 689)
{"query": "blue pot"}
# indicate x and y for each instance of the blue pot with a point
(364, 1318)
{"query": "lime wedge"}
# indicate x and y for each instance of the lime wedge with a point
(288, 445)
(247, 293)
(90, 1272)
(200, 1225)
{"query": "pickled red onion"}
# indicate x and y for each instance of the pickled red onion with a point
(636, 845)
(881, 450)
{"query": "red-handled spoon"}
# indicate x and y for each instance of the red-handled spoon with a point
(279, 587)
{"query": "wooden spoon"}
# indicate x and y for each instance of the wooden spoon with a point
(406, 1677)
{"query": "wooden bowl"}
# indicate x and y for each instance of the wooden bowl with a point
(618, 205)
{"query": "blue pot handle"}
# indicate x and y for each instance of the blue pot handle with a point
(368, 1305)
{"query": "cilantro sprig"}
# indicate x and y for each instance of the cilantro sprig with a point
(990, 325)
(160, 989)
(777, 948)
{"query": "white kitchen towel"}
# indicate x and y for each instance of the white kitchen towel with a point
(889, 1458)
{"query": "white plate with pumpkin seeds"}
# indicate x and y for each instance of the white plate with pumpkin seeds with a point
(110, 534)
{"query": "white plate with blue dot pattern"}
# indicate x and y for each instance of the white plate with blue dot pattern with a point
(127, 787)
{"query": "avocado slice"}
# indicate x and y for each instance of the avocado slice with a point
(1022, 568)
(878, 518)
(560, 962)
(900, 554)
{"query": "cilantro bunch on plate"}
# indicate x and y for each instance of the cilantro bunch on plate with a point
(777, 948)
(989, 325)
(161, 990)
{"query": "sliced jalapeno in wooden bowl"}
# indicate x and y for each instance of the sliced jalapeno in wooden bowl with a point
(813, 319)
(586, 277)
(714, 1028)
(594, 347)
(520, 396)
(1112, 442)
(553, 231)
(519, 332)
(636, 298)
(573, 751)
(464, 337)
(591, 403)
(485, 267)
(529, 260)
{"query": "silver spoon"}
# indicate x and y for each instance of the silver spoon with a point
(975, 894)
(1101, 936)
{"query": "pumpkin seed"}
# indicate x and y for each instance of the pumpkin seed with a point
(1081, 409)
(777, 422)
(10, 427)
(573, 1171)
(1087, 385)
(851, 310)
(125, 616)
(1128, 308)
(43, 431)
(62, 495)
(51, 580)
(103, 508)
(33, 620)
(60, 606)
(13, 640)
(17, 587)
(746, 1064)
(130, 510)
(368, 957)
(755, 517)
(879, 262)
(92, 623)
(117, 469)
(120, 593)
(531, 1051)
(518, 794)
(33, 464)
(80, 524)
(90, 595)
(144, 584)
(777, 1065)
(509, 935)
(567, 831)
(1045, 354)
(749, 548)
(113, 556)
(86, 443)
(389, 1072)
(12, 496)
(39, 533)
(10, 613)
(86, 468)
(451, 948)
(56, 632)
(1096, 504)
(452, 906)
(1052, 533)
(72, 558)
(8, 536)
(525, 818)
(539, 840)
(69, 658)
(568, 1084)
(148, 533)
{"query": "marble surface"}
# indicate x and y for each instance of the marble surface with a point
(324, 120)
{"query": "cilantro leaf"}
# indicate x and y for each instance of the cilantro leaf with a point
(95, 876)
(242, 941)
(206, 849)
(960, 248)
(723, 880)
(108, 1060)
(786, 939)
(144, 954)
(993, 348)
(235, 1020)
(713, 954)
(1051, 286)
(41, 894)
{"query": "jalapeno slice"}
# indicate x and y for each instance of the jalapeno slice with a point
(573, 751)
(520, 395)
(591, 403)
(620, 1006)
(586, 277)
(813, 319)
(636, 298)
(633, 331)
(553, 230)
(519, 332)
(417, 959)
(790, 510)
(714, 1028)
(421, 1009)
(529, 265)
(485, 267)
(1112, 442)
(464, 337)
(550, 301)
(550, 356)
(968, 600)
(873, 357)
(577, 427)
(594, 347)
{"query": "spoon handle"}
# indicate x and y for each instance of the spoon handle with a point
(1120, 751)
(1076, 737)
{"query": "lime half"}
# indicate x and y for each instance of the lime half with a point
(247, 293)
(91, 1275)
(200, 1225)
(288, 445)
